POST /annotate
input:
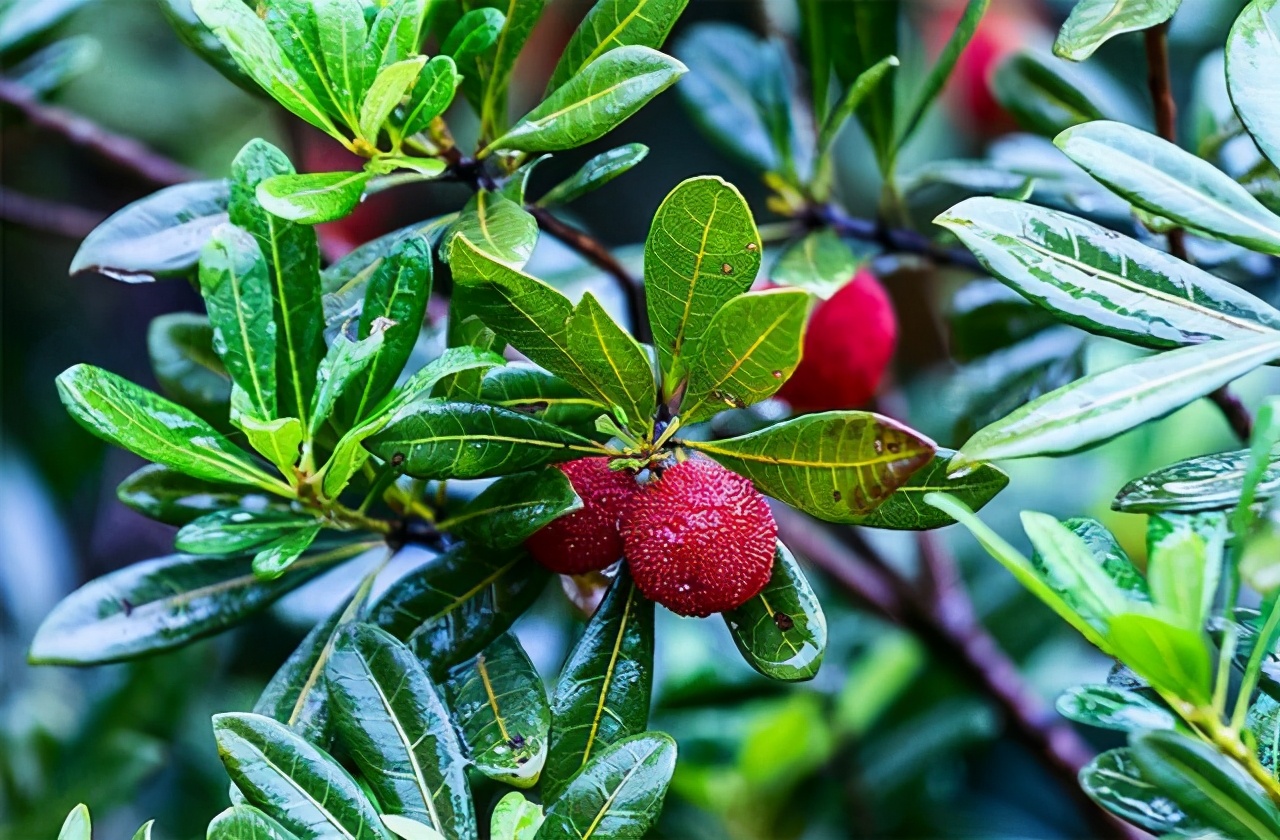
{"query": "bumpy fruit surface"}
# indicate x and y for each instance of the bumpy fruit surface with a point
(699, 539)
(586, 540)
(847, 348)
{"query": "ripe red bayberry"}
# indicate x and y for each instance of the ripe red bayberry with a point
(699, 539)
(586, 540)
(847, 348)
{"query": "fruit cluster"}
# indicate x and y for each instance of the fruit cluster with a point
(697, 538)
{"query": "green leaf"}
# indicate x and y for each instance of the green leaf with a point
(513, 508)
(837, 466)
(273, 560)
(293, 26)
(344, 365)
(432, 94)
(129, 416)
(279, 441)
(1253, 56)
(451, 607)
(158, 236)
(189, 371)
(1183, 566)
(942, 69)
(162, 604)
(498, 226)
(860, 34)
(349, 65)
(702, 251)
(1103, 405)
(781, 632)
(77, 825)
(520, 16)
(293, 260)
(392, 84)
(250, 43)
(1264, 723)
(905, 510)
(1205, 784)
(616, 23)
(391, 719)
(471, 42)
(748, 350)
(1173, 659)
(1072, 569)
(1108, 554)
(396, 33)
(237, 294)
(618, 795)
(303, 788)
(597, 171)
(857, 93)
(618, 367)
(244, 822)
(24, 22)
(1114, 780)
(535, 392)
(1094, 22)
(1113, 708)
(1206, 482)
(313, 198)
(594, 102)
(515, 818)
(603, 694)
(408, 829)
(1041, 97)
(229, 532)
(1157, 176)
(500, 704)
(819, 262)
(1107, 284)
(173, 498)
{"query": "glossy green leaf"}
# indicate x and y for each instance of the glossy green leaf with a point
(515, 818)
(136, 419)
(857, 93)
(603, 694)
(164, 603)
(313, 198)
(1114, 780)
(158, 236)
(303, 788)
(237, 295)
(346, 282)
(510, 510)
(702, 251)
(1253, 58)
(905, 510)
(618, 367)
(1041, 97)
(244, 822)
(618, 795)
(819, 262)
(594, 102)
(228, 532)
(1208, 786)
(837, 466)
(465, 332)
(1094, 22)
(1092, 278)
(451, 608)
(519, 18)
(781, 632)
(432, 94)
(1263, 722)
(392, 84)
(616, 23)
(409, 829)
(1108, 554)
(1184, 564)
(748, 350)
(279, 441)
(349, 64)
(344, 365)
(275, 559)
(295, 29)
(1173, 659)
(184, 362)
(498, 226)
(1206, 482)
(1113, 708)
(1157, 176)
(860, 34)
(987, 316)
(501, 706)
(596, 172)
(1103, 405)
(392, 720)
(173, 498)
(396, 33)
(539, 394)
(1073, 570)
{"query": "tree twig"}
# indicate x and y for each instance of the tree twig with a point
(1166, 114)
(124, 152)
(897, 240)
(49, 216)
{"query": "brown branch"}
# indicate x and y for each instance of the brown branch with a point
(1166, 114)
(124, 152)
(65, 220)
(960, 641)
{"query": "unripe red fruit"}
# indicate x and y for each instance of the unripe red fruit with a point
(847, 348)
(699, 539)
(586, 540)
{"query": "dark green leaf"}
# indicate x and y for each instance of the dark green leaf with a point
(594, 102)
(192, 32)
(748, 350)
(451, 608)
(519, 19)
(987, 316)
(702, 251)
(1253, 57)
(349, 64)
(1115, 782)
(303, 788)
(189, 371)
(603, 693)
(501, 706)
(346, 282)
(820, 263)
(244, 822)
(1041, 97)
(598, 171)
(510, 510)
(162, 604)
(432, 94)
(618, 795)
(344, 365)
(170, 497)
(860, 34)
(273, 560)
(158, 236)
(1094, 22)
(782, 632)
(942, 69)
(837, 466)
(905, 510)
(228, 532)
(857, 93)
(1113, 708)
(313, 198)
(391, 719)
(1206, 482)
(616, 23)
(471, 43)
(498, 226)
(618, 367)
(537, 393)
(293, 26)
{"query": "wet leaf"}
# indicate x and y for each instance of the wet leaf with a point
(520, 16)
(618, 367)
(244, 822)
(820, 263)
(616, 23)
(537, 393)
(596, 172)
(1113, 708)
(498, 226)
(1253, 58)
(1206, 482)
(228, 532)
(391, 85)
(274, 559)
(781, 632)
(314, 197)
(515, 818)
(173, 498)
(1114, 780)
(513, 508)
(905, 510)
(432, 94)
(343, 367)
(618, 795)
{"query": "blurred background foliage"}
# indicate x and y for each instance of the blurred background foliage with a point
(889, 741)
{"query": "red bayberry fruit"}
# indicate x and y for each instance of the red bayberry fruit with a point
(586, 540)
(699, 539)
(847, 348)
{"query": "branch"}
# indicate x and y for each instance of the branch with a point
(124, 152)
(897, 240)
(65, 220)
(958, 640)
(1166, 113)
